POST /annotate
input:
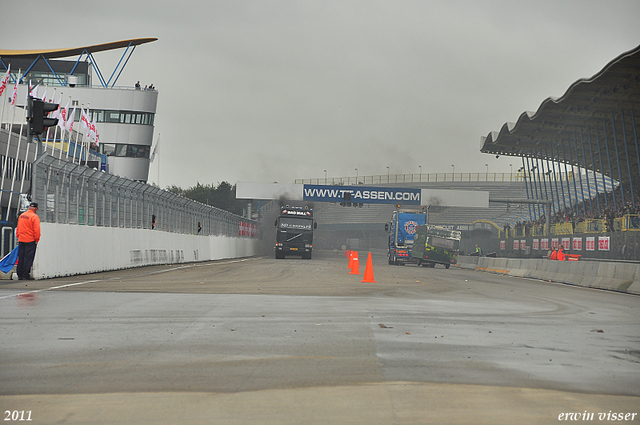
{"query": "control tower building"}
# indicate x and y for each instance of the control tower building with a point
(123, 114)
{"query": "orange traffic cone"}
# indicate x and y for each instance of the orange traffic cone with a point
(368, 271)
(355, 264)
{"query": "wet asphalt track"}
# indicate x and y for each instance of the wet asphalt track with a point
(307, 333)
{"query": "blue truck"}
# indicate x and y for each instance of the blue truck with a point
(402, 230)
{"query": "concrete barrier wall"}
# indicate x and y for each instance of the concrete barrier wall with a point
(614, 276)
(66, 250)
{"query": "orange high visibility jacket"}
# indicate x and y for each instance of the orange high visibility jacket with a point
(561, 256)
(554, 255)
(28, 229)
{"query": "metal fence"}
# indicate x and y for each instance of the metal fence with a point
(75, 194)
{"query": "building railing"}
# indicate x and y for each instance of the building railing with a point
(627, 223)
(415, 178)
(431, 178)
(70, 193)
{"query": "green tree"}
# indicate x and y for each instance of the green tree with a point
(222, 196)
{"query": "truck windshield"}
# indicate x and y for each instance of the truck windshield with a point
(295, 224)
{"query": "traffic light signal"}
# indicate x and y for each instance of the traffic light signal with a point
(38, 115)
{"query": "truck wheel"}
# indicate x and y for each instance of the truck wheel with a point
(446, 266)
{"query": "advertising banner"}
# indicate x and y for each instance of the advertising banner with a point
(577, 244)
(603, 243)
(361, 194)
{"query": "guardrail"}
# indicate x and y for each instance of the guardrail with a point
(75, 194)
(627, 223)
(416, 178)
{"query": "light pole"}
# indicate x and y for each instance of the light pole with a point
(420, 167)
(325, 176)
(388, 175)
(453, 172)
(356, 176)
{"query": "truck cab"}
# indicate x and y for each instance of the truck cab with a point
(402, 230)
(294, 232)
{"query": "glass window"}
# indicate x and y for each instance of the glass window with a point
(108, 149)
(113, 116)
(121, 150)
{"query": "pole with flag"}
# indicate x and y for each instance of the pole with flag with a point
(69, 128)
(13, 115)
(62, 123)
(153, 156)
(3, 86)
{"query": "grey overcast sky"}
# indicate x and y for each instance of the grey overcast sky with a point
(263, 91)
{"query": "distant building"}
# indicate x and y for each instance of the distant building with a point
(124, 114)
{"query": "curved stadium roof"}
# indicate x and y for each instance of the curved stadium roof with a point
(593, 125)
(75, 51)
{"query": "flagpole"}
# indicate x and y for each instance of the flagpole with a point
(13, 116)
(13, 179)
(4, 90)
(72, 118)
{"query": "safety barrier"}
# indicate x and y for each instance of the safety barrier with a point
(613, 276)
(591, 226)
(75, 194)
(627, 223)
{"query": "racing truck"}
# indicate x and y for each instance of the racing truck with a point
(435, 245)
(294, 232)
(402, 230)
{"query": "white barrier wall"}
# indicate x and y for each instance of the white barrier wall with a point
(614, 276)
(66, 250)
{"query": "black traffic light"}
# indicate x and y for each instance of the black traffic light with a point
(38, 119)
(346, 197)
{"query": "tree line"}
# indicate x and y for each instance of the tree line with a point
(222, 196)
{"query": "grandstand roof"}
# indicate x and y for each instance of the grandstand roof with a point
(74, 51)
(594, 113)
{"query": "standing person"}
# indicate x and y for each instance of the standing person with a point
(28, 234)
(561, 255)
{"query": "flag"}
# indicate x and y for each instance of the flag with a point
(8, 261)
(94, 131)
(155, 151)
(70, 120)
(84, 120)
(15, 94)
(62, 116)
(34, 92)
(5, 80)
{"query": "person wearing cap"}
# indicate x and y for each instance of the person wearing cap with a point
(28, 234)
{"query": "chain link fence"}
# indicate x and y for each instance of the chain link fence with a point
(70, 193)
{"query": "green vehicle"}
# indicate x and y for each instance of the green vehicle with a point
(435, 245)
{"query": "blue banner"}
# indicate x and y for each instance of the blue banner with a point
(361, 194)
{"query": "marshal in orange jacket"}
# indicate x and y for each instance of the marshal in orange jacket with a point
(28, 229)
